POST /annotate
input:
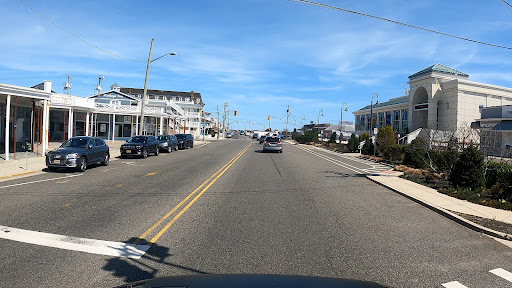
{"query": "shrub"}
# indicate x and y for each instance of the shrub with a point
(469, 169)
(394, 153)
(385, 138)
(353, 143)
(445, 160)
(414, 154)
(311, 136)
(498, 177)
(368, 147)
(333, 138)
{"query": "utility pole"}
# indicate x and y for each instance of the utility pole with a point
(287, 115)
(217, 124)
(98, 87)
(141, 124)
(224, 119)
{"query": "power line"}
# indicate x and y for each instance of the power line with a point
(505, 3)
(397, 22)
(86, 42)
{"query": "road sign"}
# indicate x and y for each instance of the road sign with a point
(204, 124)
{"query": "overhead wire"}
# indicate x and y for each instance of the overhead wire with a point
(397, 22)
(506, 4)
(77, 37)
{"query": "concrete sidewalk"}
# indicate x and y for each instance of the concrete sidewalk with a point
(30, 164)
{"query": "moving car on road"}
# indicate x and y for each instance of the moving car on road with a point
(229, 135)
(262, 138)
(185, 141)
(78, 153)
(140, 146)
(167, 143)
(273, 143)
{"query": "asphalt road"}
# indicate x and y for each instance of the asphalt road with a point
(302, 212)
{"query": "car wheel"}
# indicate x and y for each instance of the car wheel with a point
(145, 153)
(280, 151)
(106, 160)
(82, 164)
(157, 151)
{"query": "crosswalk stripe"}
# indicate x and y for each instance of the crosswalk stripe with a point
(500, 272)
(453, 284)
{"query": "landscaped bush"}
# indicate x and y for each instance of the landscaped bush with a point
(385, 138)
(414, 154)
(445, 160)
(469, 169)
(353, 143)
(394, 153)
(498, 177)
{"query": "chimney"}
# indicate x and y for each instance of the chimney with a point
(192, 95)
(48, 86)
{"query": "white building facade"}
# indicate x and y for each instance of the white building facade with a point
(439, 98)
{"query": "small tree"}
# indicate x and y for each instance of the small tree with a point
(333, 138)
(353, 143)
(469, 169)
(367, 148)
(414, 154)
(311, 136)
(385, 138)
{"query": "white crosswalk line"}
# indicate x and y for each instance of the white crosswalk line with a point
(453, 284)
(500, 272)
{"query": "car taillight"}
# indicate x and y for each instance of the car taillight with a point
(279, 142)
(267, 142)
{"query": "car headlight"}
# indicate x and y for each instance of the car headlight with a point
(72, 155)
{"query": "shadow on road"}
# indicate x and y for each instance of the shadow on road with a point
(147, 267)
(339, 174)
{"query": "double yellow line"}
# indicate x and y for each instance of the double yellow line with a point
(206, 184)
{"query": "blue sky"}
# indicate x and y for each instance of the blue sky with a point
(258, 55)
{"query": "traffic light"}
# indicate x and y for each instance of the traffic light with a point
(268, 117)
(236, 122)
(252, 124)
(235, 112)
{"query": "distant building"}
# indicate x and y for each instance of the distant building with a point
(495, 130)
(439, 98)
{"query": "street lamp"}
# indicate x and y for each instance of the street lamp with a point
(141, 124)
(375, 95)
(318, 122)
(343, 104)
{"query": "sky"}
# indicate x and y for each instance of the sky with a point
(257, 55)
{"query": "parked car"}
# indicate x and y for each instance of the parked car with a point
(140, 146)
(229, 135)
(242, 133)
(185, 141)
(167, 143)
(262, 138)
(273, 143)
(78, 153)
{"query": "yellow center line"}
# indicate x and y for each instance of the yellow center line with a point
(153, 173)
(60, 182)
(161, 232)
(145, 234)
(66, 205)
(119, 185)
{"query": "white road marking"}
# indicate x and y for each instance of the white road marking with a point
(202, 145)
(502, 273)
(93, 246)
(337, 162)
(38, 181)
(453, 284)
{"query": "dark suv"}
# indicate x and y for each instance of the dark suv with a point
(78, 153)
(140, 146)
(167, 143)
(185, 141)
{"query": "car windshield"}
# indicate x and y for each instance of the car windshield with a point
(137, 139)
(339, 138)
(75, 142)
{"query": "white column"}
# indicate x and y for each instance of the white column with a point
(7, 124)
(71, 124)
(46, 116)
(113, 126)
(87, 119)
(136, 125)
(161, 125)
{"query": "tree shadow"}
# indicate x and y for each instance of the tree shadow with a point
(131, 270)
(340, 174)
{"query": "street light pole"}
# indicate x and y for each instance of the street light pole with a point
(375, 95)
(141, 124)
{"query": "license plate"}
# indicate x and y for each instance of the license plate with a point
(128, 151)
(56, 161)
(272, 144)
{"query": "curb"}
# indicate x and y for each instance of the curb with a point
(17, 174)
(471, 225)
